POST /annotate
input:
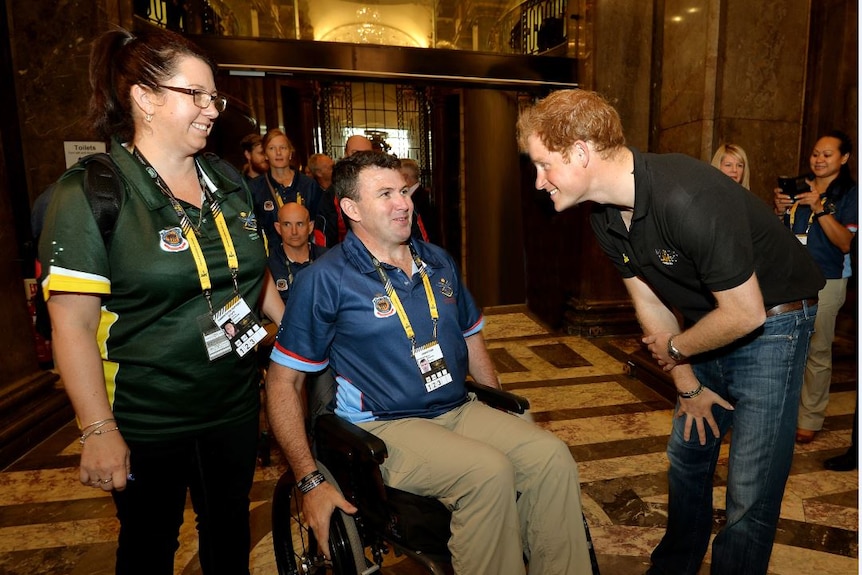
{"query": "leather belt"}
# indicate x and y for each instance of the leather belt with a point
(790, 306)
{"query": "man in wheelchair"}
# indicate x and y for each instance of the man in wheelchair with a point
(401, 332)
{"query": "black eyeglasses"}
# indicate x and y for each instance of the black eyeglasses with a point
(202, 98)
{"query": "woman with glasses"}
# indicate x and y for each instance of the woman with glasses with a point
(167, 403)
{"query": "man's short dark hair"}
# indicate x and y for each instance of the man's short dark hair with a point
(346, 171)
(249, 142)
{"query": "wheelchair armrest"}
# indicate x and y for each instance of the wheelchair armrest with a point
(339, 434)
(498, 398)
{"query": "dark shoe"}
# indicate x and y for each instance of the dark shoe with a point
(846, 462)
(805, 435)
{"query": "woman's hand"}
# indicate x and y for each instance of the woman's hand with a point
(811, 198)
(781, 202)
(105, 462)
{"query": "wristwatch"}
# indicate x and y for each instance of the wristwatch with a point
(673, 352)
(828, 209)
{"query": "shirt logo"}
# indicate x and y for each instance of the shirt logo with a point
(667, 257)
(445, 287)
(383, 306)
(281, 284)
(249, 222)
(626, 258)
(268, 205)
(172, 240)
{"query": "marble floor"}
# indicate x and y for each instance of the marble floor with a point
(615, 426)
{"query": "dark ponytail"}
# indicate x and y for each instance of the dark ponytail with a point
(844, 182)
(118, 61)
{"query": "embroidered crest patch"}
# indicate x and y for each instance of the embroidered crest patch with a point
(445, 287)
(249, 222)
(172, 240)
(667, 257)
(383, 306)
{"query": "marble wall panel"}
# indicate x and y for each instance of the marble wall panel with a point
(684, 139)
(760, 59)
(50, 49)
(760, 92)
(770, 146)
(622, 57)
(684, 73)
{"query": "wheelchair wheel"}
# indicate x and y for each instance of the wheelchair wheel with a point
(296, 549)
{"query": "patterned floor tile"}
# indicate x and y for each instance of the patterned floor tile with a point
(616, 428)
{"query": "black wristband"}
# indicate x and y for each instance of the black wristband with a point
(310, 481)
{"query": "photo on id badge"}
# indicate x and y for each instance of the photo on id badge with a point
(432, 366)
(239, 324)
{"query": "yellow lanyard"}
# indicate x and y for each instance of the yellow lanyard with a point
(396, 301)
(810, 218)
(277, 197)
(191, 234)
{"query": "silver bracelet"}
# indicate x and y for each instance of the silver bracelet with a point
(99, 423)
(97, 431)
(692, 393)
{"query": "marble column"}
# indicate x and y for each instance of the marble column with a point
(494, 247)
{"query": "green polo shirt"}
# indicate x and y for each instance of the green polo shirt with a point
(160, 382)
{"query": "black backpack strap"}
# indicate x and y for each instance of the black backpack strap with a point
(103, 189)
(224, 169)
(229, 172)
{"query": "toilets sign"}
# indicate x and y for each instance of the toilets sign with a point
(77, 150)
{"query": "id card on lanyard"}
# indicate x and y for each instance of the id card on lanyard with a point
(214, 328)
(428, 357)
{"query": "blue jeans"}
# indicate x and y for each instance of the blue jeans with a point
(761, 376)
(217, 469)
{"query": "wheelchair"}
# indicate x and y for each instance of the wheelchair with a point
(387, 518)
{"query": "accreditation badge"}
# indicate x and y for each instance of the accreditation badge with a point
(432, 365)
(215, 341)
(239, 324)
(803, 239)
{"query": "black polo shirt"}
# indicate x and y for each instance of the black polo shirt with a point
(695, 231)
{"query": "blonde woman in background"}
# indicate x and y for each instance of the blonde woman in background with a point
(732, 161)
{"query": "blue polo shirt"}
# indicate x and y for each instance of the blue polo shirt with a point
(828, 256)
(303, 189)
(284, 271)
(338, 315)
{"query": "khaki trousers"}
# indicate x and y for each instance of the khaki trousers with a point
(476, 460)
(818, 368)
